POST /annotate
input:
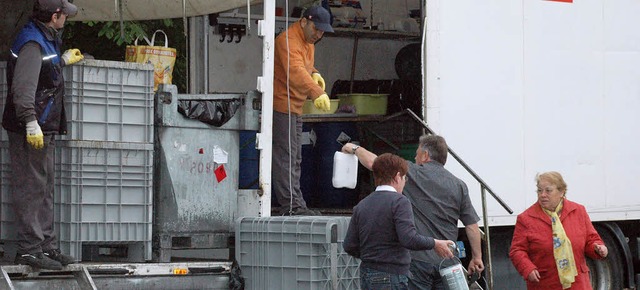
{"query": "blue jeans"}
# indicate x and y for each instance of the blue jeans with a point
(426, 276)
(371, 279)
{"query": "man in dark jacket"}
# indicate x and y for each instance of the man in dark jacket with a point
(382, 231)
(34, 113)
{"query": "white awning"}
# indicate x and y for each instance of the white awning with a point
(111, 10)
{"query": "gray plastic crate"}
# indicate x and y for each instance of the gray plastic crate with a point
(4, 89)
(104, 101)
(103, 193)
(295, 253)
(7, 231)
(109, 101)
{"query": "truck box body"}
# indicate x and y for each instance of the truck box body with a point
(524, 87)
(516, 88)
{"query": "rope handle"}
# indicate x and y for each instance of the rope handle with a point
(153, 39)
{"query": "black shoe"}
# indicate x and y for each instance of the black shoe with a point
(38, 260)
(56, 255)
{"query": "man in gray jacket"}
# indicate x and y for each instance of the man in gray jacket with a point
(439, 200)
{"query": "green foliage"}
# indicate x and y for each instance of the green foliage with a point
(107, 40)
(128, 32)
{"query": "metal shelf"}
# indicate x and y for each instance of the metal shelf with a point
(376, 34)
(340, 117)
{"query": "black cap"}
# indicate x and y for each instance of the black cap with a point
(54, 6)
(320, 17)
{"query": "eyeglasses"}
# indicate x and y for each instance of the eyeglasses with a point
(547, 190)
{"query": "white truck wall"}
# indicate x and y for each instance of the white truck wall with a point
(522, 87)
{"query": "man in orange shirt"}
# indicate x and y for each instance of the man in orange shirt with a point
(295, 80)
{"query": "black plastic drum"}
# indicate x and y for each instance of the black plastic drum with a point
(408, 62)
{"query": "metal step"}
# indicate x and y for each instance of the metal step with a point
(79, 271)
(175, 275)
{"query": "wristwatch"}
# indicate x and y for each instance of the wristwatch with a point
(354, 148)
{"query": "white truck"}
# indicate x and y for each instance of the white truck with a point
(516, 87)
(522, 87)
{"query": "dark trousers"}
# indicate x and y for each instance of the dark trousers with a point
(371, 279)
(32, 180)
(286, 164)
(425, 276)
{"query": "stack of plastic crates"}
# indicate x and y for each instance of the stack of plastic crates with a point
(103, 166)
(295, 253)
(6, 213)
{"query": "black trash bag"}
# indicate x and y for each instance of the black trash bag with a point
(212, 112)
(236, 281)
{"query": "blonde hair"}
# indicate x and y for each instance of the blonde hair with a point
(554, 177)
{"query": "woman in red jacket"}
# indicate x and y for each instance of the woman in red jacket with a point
(549, 254)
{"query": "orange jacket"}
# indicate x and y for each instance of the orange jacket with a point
(532, 246)
(301, 85)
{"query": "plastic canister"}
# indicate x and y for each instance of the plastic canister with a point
(345, 170)
(453, 277)
(327, 143)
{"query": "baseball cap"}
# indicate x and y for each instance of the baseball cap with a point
(320, 17)
(58, 6)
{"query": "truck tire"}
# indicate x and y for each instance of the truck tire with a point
(606, 274)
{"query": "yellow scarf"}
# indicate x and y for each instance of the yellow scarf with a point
(562, 250)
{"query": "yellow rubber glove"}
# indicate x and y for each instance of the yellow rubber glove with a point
(318, 79)
(34, 135)
(72, 56)
(322, 102)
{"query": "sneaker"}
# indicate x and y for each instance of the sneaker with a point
(56, 255)
(38, 260)
(302, 211)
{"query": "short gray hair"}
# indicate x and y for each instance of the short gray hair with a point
(436, 146)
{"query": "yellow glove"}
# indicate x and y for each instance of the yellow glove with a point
(322, 102)
(34, 135)
(318, 79)
(72, 56)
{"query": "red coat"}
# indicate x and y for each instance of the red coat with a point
(532, 246)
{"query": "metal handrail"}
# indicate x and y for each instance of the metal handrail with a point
(483, 189)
